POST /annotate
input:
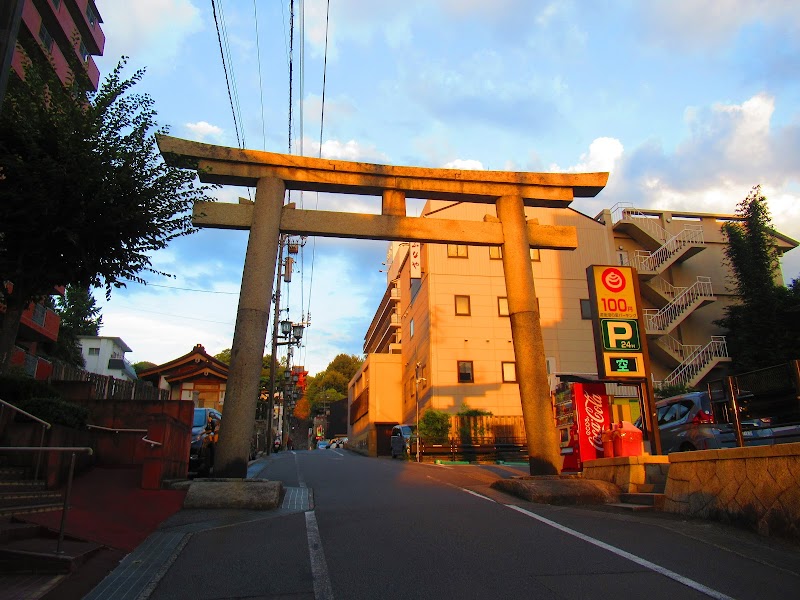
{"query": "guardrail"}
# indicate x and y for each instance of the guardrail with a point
(145, 439)
(68, 492)
(45, 426)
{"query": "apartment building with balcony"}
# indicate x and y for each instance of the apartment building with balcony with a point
(105, 355)
(50, 31)
(451, 330)
(57, 29)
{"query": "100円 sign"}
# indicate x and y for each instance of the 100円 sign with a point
(617, 319)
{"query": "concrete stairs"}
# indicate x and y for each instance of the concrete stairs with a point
(29, 548)
(650, 497)
(19, 494)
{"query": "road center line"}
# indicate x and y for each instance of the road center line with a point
(319, 566)
(632, 557)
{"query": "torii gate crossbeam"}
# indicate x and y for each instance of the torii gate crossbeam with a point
(266, 218)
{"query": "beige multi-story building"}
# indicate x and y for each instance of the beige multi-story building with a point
(441, 337)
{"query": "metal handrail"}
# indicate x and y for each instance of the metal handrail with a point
(152, 442)
(45, 426)
(660, 320)
(652, 261)
(69, 478)
(115, 429)
(716, 348)
(27, 414)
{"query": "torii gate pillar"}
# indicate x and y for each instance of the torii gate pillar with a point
(526, 333)
(250, 333)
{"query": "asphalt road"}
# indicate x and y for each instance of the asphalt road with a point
(390, 529)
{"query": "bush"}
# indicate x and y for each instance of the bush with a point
(434, 426)
(17, 388)
(55, 411)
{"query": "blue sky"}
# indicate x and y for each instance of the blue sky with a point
(688, 104)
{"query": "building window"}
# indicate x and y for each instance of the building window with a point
(411, 328)
(56, 3)
(509, 372)
(457, 251)
(535, 256)
(465, 374)
(495, 252)
(46, 38)
(462, 305)
(91, 16)
(502, 306)
(586, 310)
(84, 52)
(94, 351)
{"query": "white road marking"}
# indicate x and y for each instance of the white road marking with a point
(319, 567)
(632, 557)
(477, 494)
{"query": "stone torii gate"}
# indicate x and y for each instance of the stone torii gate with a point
(267, 217)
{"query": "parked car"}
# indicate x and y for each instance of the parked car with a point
(402, 436)
(688, 422)
(323, 445)
(205, 431)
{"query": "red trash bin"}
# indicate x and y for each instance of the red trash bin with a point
(608, 443)
(627, 440)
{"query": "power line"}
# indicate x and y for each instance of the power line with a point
(225, 68)
(321, 126)
(260, 84)
(183, 289)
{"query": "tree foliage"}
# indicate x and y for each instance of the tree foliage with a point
(434, 426)
(762, 327)
(331, 384)
(85, 198)
(79, 315)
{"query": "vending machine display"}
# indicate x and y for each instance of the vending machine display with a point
(582, 413)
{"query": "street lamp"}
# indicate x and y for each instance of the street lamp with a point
(417, 381)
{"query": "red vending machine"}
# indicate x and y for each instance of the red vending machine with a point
(582, 412)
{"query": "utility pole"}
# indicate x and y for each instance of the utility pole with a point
(274, 358)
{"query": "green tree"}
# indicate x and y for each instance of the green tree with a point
(85, 197)
(143, 365)
(434, 426)
(762, 327)
(331, 384)
(79, 315)
(266, 365)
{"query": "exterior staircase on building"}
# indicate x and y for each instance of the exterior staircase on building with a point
(671, 351)
(661, 321)
(692, 370)
(664, 248)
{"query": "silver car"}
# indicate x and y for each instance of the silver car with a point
(402, 436)
(687, 422)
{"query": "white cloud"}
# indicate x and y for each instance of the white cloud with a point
(466, 164)
(604, 153)
(203, 129)
(681, 24)
(350, 150)
(149, 31)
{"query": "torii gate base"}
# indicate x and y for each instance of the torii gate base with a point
(268, 217)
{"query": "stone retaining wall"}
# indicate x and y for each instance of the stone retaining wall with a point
(631, 474)
(758, 487)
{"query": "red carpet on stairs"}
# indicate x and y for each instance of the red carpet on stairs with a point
(109, 507)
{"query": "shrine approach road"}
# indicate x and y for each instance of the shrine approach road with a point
(391, 529)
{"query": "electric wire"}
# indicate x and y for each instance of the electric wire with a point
(321, 128)
(225, 68)
(234, 87)
(260, 83)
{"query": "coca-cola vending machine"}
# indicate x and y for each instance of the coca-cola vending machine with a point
(582, 412)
